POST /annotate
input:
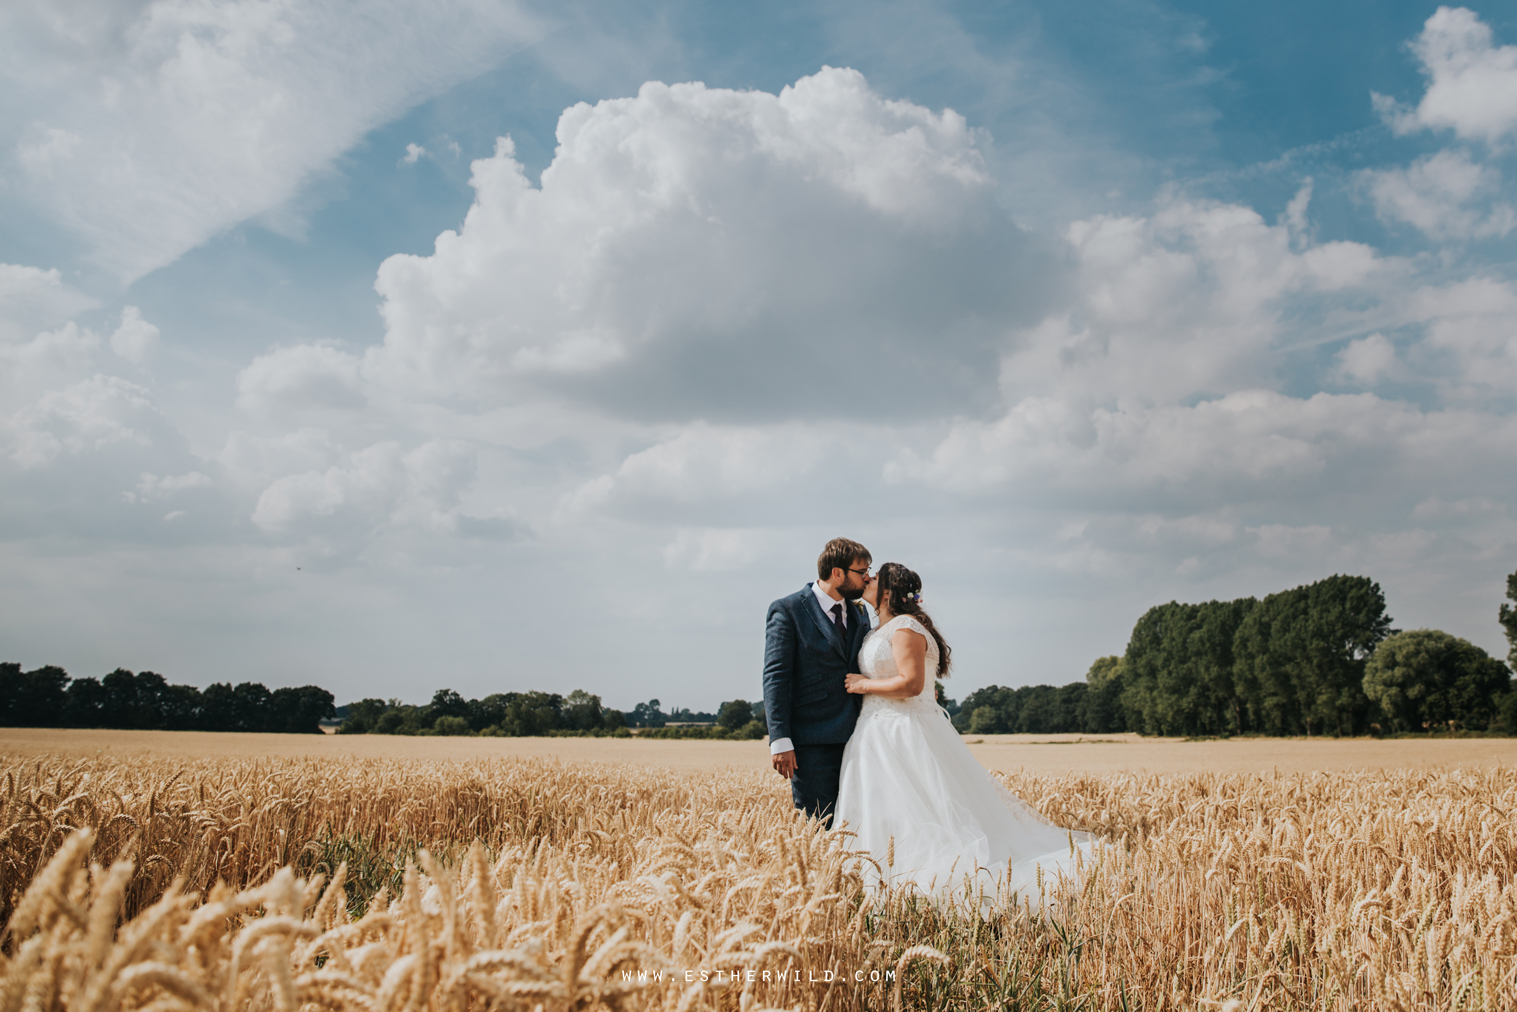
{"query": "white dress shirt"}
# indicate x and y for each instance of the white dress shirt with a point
(826, 600)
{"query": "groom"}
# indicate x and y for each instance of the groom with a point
(811, 644)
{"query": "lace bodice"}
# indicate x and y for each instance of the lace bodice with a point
(877, 660)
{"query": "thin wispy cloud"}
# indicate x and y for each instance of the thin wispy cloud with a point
(148, 128)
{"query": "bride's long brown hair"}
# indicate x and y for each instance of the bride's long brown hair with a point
(900, 590)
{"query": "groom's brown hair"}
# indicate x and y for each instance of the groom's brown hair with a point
(840, 553)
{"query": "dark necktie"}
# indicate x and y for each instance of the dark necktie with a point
(837, 620)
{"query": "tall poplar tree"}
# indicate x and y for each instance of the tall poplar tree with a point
(1508, 616)
(1301, 656)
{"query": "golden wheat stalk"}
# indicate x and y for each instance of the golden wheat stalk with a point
(398, 885)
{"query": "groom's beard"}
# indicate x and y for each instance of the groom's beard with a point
(850, 593)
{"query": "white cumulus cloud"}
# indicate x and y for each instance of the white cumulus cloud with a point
(1472, 326)
(92, 415)
(33, 299)
(135, 338)
(380, 489)
(47, 361)
(1161, 384)
(1184, 303)
(1368, 360)
(1445, 195)
(302, 377)
(1472, 83)
(704, 465)
(696, 252)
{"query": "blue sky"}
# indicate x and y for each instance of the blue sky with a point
(1074, 308)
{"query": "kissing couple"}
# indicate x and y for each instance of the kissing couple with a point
(855, 726)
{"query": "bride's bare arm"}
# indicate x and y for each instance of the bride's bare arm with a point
(910, 651)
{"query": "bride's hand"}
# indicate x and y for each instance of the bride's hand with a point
(854, 682)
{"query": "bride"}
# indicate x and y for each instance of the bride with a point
(919, 802)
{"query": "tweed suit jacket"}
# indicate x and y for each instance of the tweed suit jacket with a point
(805, 662)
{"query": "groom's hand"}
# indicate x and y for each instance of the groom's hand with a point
(784, 764)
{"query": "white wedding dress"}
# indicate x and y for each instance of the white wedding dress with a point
(959, 836)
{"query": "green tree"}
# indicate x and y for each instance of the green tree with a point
(1179, 691)
(1161, 687)
(487, 712)
(218, 707)
(986, 720)
(450, 725)
(1346, 622)
(1030, 709)
(244, 707)
(582, 711)
(648, 715)
(447, 703)
(991, 710)
(1264, 687)
(299, 710)
(1299, 656)
(178, 707)
(1425, 678)
(33, 698)
(87, 703)
(1179, 669)
(1104, 683)
(1219, 706)
(1508, 617)
(1037, 709)
(734, 714)
(1069, 709)
(134, 701)
(1506, 714)
(249, 707)
(531, 713)
(363, 716)
(10, 690)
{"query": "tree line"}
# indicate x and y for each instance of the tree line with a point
(651, 714)
(1089, 707)
(734, 719)
(529, 714)
(1320, 659)
(48, 697)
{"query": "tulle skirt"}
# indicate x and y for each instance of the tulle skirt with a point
(932, 818)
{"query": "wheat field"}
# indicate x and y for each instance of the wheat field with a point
(401, 884)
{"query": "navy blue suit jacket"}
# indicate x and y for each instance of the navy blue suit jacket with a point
(805, 661)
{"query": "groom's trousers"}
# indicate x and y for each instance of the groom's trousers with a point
(815, 783)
